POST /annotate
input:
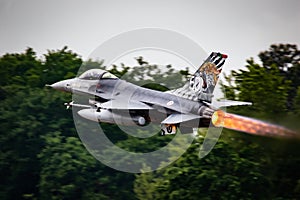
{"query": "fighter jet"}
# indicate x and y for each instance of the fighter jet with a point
(117, 101)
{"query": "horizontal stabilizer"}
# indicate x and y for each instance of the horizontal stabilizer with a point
(227, 103)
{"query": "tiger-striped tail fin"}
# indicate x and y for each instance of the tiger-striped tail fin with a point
(201, 85)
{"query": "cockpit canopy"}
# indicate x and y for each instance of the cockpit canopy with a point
(96, 74)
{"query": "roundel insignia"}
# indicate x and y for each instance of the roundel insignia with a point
(170, 103)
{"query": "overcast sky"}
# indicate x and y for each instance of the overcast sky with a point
(239, 28)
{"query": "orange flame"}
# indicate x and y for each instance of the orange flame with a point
(248, 125)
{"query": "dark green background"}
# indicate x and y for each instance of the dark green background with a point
(42, 157)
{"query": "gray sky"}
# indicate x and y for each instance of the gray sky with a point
(239, 28)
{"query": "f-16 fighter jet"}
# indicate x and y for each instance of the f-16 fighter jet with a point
(191, 106)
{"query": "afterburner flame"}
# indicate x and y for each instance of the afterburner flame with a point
(248, 125)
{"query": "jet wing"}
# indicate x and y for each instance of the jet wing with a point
(179, 118)
(115, 104)
(124, 105)
(92, 93)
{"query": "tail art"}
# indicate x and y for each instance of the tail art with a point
(202, 84)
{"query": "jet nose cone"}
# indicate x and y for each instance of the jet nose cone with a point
(62, 85)
(58, 85)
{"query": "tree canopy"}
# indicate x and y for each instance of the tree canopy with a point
(42, 156)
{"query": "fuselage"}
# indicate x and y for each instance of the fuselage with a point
(108, 89)
(130, 92)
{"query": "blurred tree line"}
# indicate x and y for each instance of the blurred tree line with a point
(42, 157)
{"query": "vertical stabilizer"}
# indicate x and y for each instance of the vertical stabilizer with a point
(201, 85)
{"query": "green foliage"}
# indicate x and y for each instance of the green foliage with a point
(237, 168)
(62, 63)
(68, 171)
(41, 156)
(265, 88)
(273, 89)
(26, 114)
(286, 57)
(271, 86)
(145, 185)
(297, 102)
(223, 174)
(152, 76)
